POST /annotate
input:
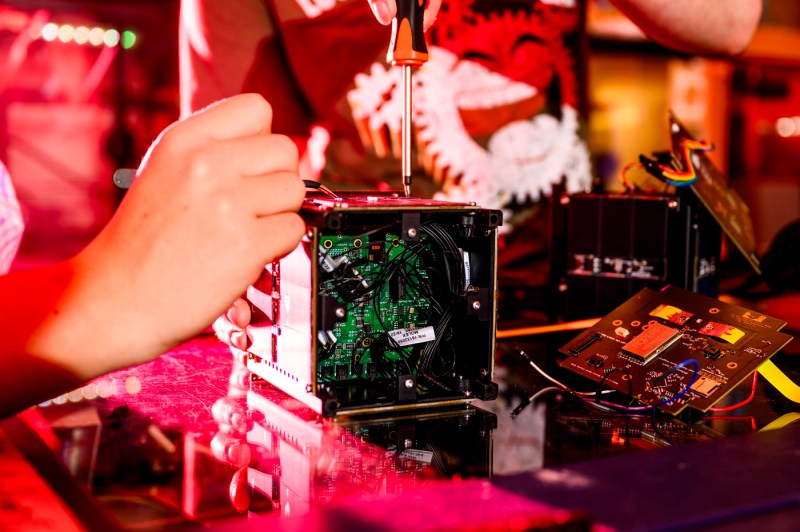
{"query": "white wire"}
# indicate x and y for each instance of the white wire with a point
(562, 385)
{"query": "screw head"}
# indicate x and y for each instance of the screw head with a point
(341, 312)
(476, 305)
(409, 383)
(412, 232)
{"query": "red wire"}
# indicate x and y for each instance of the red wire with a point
(737, 405)
(751, 419)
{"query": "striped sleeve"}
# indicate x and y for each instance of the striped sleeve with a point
(11, 224)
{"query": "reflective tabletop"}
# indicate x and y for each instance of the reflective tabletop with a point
(192, 440)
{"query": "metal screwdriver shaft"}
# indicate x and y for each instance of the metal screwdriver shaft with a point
(407, 49)
(406, 131)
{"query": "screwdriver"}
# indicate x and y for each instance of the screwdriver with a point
(407, 49)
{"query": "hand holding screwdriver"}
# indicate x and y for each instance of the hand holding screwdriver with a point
(385, 11)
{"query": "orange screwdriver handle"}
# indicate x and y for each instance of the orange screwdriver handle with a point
(407, 46)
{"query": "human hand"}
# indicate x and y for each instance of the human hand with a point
(385, 11)
(213, 202)
(231, 327)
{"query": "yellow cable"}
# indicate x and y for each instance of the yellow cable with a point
(784, 420)
(780, 381)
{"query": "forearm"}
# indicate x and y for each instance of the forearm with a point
(48, 347)
(215, 199)
(703, 26)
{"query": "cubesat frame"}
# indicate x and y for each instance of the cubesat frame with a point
(389, 303)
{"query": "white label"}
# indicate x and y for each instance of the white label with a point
(467, 269)
(405, 337)
(426, 457)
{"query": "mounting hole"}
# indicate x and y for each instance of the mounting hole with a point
(616, 323)
(732, 365)
(357, 243)
(714, 310)
(327, 244)
(626, 377)
(635, 323)
(645, 327)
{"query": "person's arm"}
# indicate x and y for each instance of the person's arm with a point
(214, 200)
(698, 26)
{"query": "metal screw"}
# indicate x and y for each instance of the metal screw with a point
(412, 233)
(340, 313)
(408, 443)
(673, 204)
(564, 200)
(563, 287)
(476, 305)
(484, 372)
(409, 383)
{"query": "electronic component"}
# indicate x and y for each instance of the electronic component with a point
(670, 313)
(389, 303)
(712, 352)
(622, 333)
(704, 386)
(673, 365)
(596, 361)
(726, 206)
(584, 342)
(723, 331)
(651, 342)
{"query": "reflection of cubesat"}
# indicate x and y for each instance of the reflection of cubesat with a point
(389, 303)
(301, 461)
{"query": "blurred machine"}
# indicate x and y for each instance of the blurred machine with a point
(388, 304)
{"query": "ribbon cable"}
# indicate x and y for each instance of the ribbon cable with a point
(780, 381)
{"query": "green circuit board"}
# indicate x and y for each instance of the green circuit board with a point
(372, 286)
